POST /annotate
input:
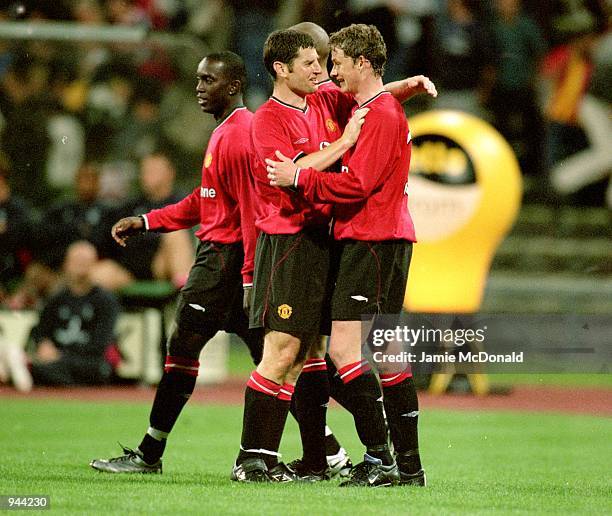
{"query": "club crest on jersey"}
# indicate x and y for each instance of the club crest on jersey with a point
(208, 160)
(285, 311)
(331, 126)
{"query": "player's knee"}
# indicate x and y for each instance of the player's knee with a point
(184, 343)
(280, 352)
(286, 358)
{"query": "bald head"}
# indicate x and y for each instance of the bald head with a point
(320, 38)
(81, 256)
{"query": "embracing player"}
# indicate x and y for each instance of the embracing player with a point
(212, 298)
(374, 235)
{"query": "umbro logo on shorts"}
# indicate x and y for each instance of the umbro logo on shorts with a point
(197, 307)
(360, 298)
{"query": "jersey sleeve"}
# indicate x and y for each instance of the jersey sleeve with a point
(181, 215)
(239, 165)
(365, 171)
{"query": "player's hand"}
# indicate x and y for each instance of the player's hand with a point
(246, 299)
(421, 84)
(353, 128)
(127, 227)
(281, 173)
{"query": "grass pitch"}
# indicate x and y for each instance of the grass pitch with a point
(476, 462)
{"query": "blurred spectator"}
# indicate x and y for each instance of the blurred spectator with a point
(141, 133)
(167, 256)
(519, 46)
(90, 55)
(252, 23)
(126, 12)
(462, 57)
(329, 15)
(66, 133)
(83, 217)
(87, 12)
(568, 69)
(592, 166)
(74, 339)
(24, 137)
(108, 104)
(382, 14)
(15, 228)
(212, 22)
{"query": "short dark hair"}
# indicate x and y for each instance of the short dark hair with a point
(234, 68)
(284, 46)
(362, 40)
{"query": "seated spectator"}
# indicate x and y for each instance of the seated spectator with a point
(150, 256)
(75, 333)
(15, 226)
(82, 218)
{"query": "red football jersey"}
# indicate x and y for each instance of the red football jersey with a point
(223, 204)
(370, 195)
(295, 132)
(327, 85)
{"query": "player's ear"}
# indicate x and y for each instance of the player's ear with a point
(235, 87)
(281, 69)
(361, 62)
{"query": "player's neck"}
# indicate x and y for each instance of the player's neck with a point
(283, 93)
(369, 87)
(235, 102)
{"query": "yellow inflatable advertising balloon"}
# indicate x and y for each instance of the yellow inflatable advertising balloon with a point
(464, 193)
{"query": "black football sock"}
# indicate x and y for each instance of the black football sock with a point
(173, 392)
(402, 409)
(337, 390)
(311, 398)
(332, 446)
(283, 402)
(263, 420)
(365, 398)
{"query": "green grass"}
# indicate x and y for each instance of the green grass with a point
(476, 463)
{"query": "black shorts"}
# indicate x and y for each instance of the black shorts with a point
(211, 300)
(291, 286)
(370, 278)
